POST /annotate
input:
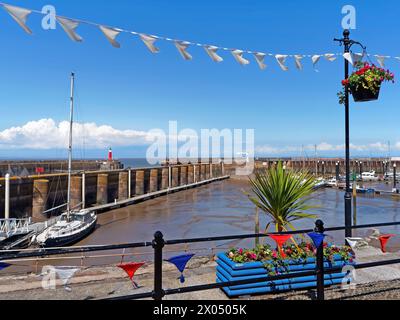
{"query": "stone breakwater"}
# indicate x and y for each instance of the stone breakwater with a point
(32, 195)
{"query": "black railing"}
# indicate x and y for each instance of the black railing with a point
(159, 243)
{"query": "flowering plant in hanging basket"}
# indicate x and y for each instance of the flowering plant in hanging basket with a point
(365, 82)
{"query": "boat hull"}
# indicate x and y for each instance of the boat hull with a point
(70, 239)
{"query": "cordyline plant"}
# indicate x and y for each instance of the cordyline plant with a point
(366, 76)
(283, 195)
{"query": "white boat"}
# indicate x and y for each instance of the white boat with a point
(320, 183)
(369, 176)
(332, 182)
(70, 229)
(73, 226)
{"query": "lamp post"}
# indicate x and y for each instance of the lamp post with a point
(394, 177)
(337, 172)
(347, 43)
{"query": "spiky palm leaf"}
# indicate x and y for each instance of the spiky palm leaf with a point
(283, 195)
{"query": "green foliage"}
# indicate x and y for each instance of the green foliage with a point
(275, 264)
(366, 76)
(283, 195)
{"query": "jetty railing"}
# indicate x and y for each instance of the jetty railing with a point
(159, 243)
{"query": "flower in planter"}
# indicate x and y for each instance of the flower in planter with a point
(365, 82)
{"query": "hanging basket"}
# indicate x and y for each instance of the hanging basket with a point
(362, 94)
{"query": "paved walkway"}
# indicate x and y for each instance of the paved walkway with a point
(95, 283)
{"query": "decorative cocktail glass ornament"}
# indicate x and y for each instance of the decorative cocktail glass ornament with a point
(130, 269)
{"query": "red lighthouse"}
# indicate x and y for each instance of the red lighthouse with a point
(110, 155)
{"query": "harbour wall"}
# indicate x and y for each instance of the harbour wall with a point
(27, 168)
(328, 166)
(32, 195)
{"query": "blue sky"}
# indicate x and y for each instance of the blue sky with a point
(131, 89)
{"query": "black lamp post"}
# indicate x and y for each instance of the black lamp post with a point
(394, 177)
(347, 43)
(337, 171)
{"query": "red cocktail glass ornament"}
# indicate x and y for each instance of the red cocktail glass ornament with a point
(280, 240)
(130, 269)
(384, 240)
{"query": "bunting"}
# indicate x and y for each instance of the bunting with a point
(260, 57)
(182, 47)
(66, 274)
(280, 241)
(297, 60)
(149, 42)
(353, 58)
(381, 60)
(20, 15)
(352, 242)
(317, 238)
(111, 34)
(383, 239)
(212, 52)
(315, 59)
(69, 25)
(4, 265)
(130, 269)
(281, 59)
(238, 55)
(180, 262)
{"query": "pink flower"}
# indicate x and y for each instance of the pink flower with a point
(240, 251)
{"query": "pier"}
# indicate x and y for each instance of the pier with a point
(38, 197)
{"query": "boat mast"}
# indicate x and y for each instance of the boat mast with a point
(71, 122)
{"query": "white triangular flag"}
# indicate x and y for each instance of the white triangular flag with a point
(353, 241)
(297, 60)
(348, 56)
(353, 58)
(65, 274)
(315, 58)
(182, 46)
(281, 58)
(149, 42)
(238, 55)
(212, 52)
(260, 57)
(20, 15)
(69, 27)
(381, 60)
(330, 57)
(111, 34)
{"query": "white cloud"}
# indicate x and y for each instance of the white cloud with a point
(47, 134)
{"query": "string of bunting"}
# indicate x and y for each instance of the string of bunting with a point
(70, 25)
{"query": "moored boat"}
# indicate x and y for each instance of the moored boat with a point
(73, 225)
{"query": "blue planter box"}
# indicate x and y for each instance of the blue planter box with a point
(227, 270)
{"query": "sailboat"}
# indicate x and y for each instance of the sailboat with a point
(73, 225)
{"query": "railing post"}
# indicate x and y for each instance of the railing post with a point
(158, 245)
(7, 197)
(319, 228)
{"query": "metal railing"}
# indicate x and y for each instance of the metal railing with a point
(159, 243)
(10, 227)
